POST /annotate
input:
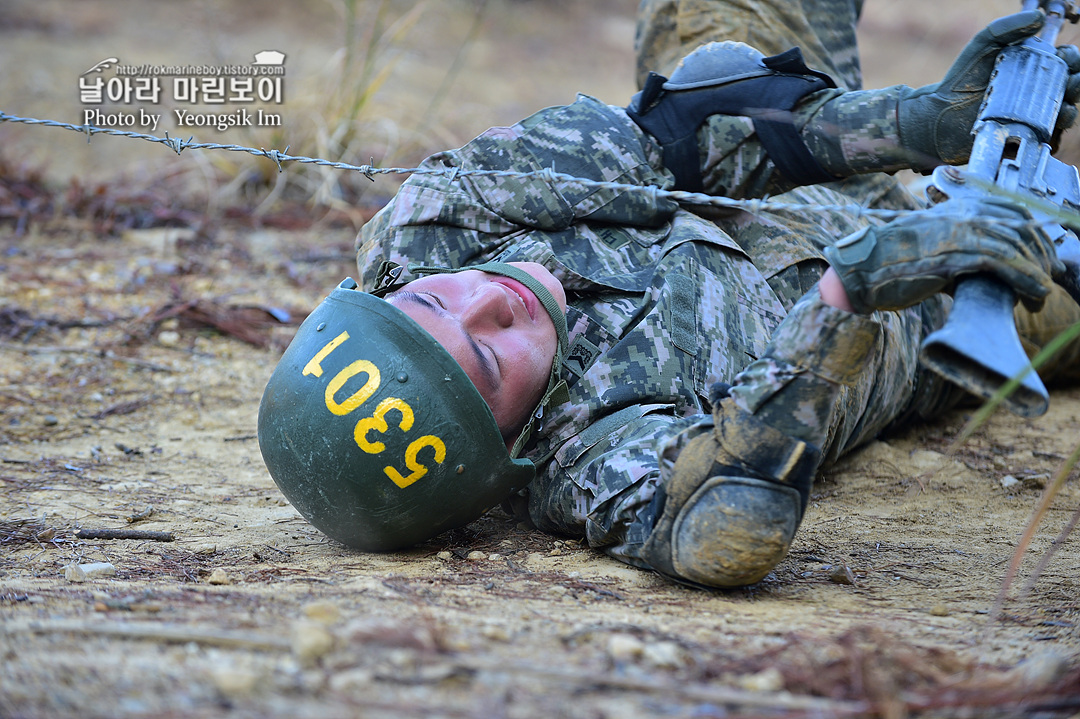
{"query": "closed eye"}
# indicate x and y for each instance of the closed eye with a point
(490, 369)
(493, 355)
(435, 298)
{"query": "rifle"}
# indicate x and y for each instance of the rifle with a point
(978, 348)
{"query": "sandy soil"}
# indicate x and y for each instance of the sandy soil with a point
(136, 336)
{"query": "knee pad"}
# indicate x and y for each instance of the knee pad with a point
(730, 78)
(733, 531)
(735, 498)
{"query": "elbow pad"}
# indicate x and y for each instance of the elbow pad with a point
(730, 78)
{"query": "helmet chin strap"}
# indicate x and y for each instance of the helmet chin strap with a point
(556, 392)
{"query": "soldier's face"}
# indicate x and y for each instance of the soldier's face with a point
(496, 329)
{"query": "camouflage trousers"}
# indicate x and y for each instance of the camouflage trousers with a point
(824, 30)
(830, 378)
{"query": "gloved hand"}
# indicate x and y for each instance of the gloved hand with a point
(913, 258)
(935, 121)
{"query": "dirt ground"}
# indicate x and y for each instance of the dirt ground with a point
(141, 315)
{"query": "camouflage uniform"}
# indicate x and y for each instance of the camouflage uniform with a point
(664, 302)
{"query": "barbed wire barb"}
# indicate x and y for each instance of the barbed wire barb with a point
(177, 144)
(454, 175)
(277, 157)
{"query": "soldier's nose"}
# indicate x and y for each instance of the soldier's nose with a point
(489, 305)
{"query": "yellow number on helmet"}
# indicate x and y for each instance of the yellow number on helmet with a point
(358, 397)
(377, 422)
(418, 470)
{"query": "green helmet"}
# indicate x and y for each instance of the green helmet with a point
(374, 432)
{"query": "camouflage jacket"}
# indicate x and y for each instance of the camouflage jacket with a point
(662, 302)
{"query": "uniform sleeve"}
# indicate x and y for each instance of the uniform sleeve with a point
(848, 133)
(836, 379)
(448, 217)
(603, 488)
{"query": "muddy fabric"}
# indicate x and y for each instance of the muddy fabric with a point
(664, 302)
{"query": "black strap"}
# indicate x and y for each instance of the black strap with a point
(673, 117)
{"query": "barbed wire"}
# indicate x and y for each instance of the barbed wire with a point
(550, 175)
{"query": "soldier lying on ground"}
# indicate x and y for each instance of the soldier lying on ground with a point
(667, 384)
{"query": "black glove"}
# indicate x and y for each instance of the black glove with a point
(913, 258)
(935, 121)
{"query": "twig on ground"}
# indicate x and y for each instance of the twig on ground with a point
(124, 534)
(154, 631)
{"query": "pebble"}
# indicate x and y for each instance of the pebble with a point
(168, 338)
(625, 648)
(663, 655)
(767, 680)
(445, 556)
(324, 612)
(310, 641)
(1009, 481)
(219, 576)
(476, 555)
(842, 574)
(82, 572)
(50, 420)
(235, 683)
(939, 610)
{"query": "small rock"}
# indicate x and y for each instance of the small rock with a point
(168, 338)
(235, 683)
(625, 648)
(1036, 481)
(842, 574)
(323, 612)
(50, 420)
(1009, 481)
(476, 555)
(206, 549)
(82, 572)
(494, 557)
(310, 641)
(219, 576)
(768, 680)
(663, 655)
(939, 610)
(445, 556)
